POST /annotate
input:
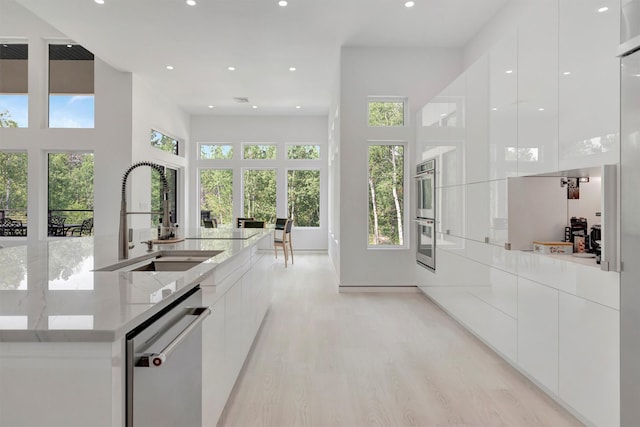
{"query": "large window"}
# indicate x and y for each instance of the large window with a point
(386, 112)
(13, 193)
(386, 194)
(157, 195)
(14, 87)
(303, 197)
(164, 142)
(71, 86)
(216, 195)
(260, 194)
(70, 179)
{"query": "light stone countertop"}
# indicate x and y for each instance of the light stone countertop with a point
(49, 291)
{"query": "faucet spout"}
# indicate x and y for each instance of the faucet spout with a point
(123, 232)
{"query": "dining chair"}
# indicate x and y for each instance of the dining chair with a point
(252, 224)
(210, 223)
(84, 229)
(239, 221)
(282, 238)
(56, 226)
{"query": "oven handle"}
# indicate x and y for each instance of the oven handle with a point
(156, 360)
(424, 221)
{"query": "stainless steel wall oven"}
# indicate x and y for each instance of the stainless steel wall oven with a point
(426, 214)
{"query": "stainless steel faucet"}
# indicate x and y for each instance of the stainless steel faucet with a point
(124, 233)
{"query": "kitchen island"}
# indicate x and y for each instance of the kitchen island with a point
(63, 324)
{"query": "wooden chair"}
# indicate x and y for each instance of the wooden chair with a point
(282, 238)
(239, 221)
(252, 224)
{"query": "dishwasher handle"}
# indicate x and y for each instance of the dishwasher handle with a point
(156, 360)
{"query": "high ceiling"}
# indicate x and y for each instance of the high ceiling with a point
(258, 37)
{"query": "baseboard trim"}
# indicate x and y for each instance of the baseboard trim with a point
(387, 289)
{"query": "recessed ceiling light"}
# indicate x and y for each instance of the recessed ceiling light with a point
(191, 2)
(231, 68)
(254, 107)
(443, 115)
(292, 68)
(99, 1)
(494, 109)
(211, 106)
(409, 4)
(636, 75)
(603, 9)
(566, 73)
(69, 45)
(540, 109)
(298, 107)
(509, 71)
(169, 67)
(282, 3)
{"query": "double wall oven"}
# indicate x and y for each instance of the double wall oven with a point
(426, 214)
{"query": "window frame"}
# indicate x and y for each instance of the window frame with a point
(178, 143)
(243, 169)
(296, 144)
(216, 144)
(303, 168)
(405, 202)
(246, 144)
(233, 188)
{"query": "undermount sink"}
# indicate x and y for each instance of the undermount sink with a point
(169, 260)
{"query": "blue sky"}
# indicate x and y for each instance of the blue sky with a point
(66, 111)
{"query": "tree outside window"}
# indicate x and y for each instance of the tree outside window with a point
(260, 194)
(71, 186)
(216, 195)
(260, 151)
(386, 195)
(386, 113)
(13, 186)
(164, 142)
(303, 197)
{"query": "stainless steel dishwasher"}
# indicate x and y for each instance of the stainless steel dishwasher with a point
(164, 366)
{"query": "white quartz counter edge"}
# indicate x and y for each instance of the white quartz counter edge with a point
(125, 310)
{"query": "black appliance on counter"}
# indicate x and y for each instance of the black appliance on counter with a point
(577, 233)
(595, 241)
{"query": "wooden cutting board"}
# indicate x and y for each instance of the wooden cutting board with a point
(167, 241)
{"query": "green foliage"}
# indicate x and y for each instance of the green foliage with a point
(303, 197)
(216, 151)
(300, 152)
(71, 185)
(260, 151)
(260, 194)
(386, 174)
(13, 184)
(216, 194)
(157, 195)
(386, 113)
(164, 142)
(6, 121)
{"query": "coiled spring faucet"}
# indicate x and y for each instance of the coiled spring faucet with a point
(124, 234)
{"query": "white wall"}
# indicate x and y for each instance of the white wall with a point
(416, 74)
(280, 130)
(110, 140)
(334, 175)
(151, 110)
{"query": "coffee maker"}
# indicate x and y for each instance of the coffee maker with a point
(577, 234)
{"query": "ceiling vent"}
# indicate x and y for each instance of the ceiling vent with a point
(241, 99)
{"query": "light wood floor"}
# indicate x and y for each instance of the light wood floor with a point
(364, 359)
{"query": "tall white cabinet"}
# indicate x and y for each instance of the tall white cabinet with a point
(543, 99)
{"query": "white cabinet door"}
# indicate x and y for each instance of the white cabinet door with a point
(214, 395)
(503, 114)
(537, 150)
(589, 89)
(589, 370)
(233, 335)
(538, 332)
(451, 210)
(476, 146)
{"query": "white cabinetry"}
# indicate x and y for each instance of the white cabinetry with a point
(589, 89)
(538, 332)
(503, 114)
(590, 359)
(537, 148)
(477, 121)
